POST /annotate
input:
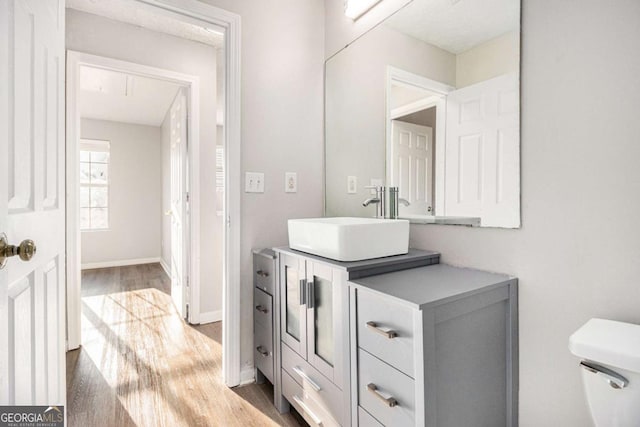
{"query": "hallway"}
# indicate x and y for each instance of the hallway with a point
(142, 365)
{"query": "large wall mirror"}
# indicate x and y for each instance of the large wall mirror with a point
(429, 101)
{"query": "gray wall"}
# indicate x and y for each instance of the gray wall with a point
(578, 252)
(134, 193)
(282, 122)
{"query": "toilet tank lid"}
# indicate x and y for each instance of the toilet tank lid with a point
(609, 342)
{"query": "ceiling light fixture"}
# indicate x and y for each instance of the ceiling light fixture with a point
(354, 9)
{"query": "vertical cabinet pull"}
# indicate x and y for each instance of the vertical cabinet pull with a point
(389, 401)
(310, 294)
(262, 309)
(301, 290)
(375, 328)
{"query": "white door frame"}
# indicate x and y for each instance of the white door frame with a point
(196, 12)
(75, 60)
(406, 78)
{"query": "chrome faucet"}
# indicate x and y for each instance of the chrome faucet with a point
(378, 200)
(387, 201)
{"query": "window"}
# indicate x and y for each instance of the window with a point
(94, 185)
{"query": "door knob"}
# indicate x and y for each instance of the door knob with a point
(26, 250)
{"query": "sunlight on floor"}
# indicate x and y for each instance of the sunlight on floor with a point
(141, 364)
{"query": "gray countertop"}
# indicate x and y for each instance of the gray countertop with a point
(432, 285)
(357, 269)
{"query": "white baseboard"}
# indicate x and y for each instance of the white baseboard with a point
(165, 267)
(211, 316)
(119, 263)
(247, 375)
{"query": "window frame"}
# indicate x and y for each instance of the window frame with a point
(95, 145)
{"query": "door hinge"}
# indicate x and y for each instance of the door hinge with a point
(187, 196)
(187, 315)
(229, 222)
(188, 281)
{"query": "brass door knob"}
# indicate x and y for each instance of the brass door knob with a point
(25, 251)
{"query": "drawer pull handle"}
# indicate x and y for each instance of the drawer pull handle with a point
(306, 378)
(262, 309)
(262, 273)
(316, 420)
(389, 401)
(263, 351)
(374, 327)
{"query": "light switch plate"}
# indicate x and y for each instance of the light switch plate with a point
(254, 182)
(352, 184)
(290, 182)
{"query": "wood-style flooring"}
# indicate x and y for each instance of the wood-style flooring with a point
(140, 364)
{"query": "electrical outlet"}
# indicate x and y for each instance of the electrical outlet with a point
(290, 182)
(254, 182)
(352, 184)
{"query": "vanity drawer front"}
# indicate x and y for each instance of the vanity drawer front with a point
(263, 350)
(312, 411)
(378, 381)
(366, 420)
(315, 384)
(263, 273)
(377, 315)
(263, 308)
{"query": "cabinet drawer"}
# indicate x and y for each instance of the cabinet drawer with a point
(263, 350)
(315, 384)
(263, 273)
(366, 420)
(378, 381)
(386, 330)
(263, 308)
(312, 411)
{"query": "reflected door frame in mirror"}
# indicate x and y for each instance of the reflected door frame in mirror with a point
(405, 78)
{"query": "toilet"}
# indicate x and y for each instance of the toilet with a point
(610, 365)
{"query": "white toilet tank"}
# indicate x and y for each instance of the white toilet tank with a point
(610, 353)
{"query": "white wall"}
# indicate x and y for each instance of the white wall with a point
(100, 36)
(500, 55)
(578, 250)
(134, 193)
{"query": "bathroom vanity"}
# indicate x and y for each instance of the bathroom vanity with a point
(395, 341)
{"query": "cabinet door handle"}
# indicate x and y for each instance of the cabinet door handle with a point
(306, 378)
(263, 351)
(262, 309)
(375, 328)
(316, 420)
(301, 290)
(389, 401)
(310, 294)
(262, 273)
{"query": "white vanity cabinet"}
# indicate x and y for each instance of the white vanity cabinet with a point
(434, 346)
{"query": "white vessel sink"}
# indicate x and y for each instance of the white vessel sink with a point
(349, 239)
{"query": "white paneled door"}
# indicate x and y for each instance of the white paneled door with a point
(411, 166)
(32, 202)
(179, 244)
(483, 152)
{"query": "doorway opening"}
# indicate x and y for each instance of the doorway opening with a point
(149, 59)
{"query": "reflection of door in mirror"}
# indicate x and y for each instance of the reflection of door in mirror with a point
(411, 166)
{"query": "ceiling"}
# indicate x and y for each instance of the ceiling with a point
(456, 25)
(134, 13)
(121, 97)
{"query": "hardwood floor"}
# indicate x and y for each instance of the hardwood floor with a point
(140, 364)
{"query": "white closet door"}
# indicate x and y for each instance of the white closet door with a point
(32, 201)
(411, 168)
(483, 152)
